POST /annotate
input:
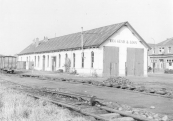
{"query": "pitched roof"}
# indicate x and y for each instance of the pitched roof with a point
(94, 37)
(169, 41)
(151, 45)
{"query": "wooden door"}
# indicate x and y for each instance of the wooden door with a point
(139, 62)
(130, 64)
(53, 63)
(111, 61)
(135, 62)
(113, 69)
(43, 63)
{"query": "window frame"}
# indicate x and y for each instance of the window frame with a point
(47, 60)
(74, 59)
(38, 61)
(82, 58)
(169, 49)
(92, 59)
(59, 60)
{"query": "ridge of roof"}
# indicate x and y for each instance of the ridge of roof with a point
(168, 41)
(151, 44)
(73, 41)
(88, 30)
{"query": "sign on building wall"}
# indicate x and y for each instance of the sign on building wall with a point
(123, 41)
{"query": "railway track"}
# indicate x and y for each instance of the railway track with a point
(84, 104)
(164, 94)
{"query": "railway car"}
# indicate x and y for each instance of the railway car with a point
(8, 63)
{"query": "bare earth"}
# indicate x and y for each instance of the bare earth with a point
(137, 100)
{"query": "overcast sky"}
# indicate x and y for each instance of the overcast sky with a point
(23, 20)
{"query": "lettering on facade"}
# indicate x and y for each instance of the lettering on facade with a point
(123, 41)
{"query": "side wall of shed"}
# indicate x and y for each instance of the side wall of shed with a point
(122, 39)
(96, 70)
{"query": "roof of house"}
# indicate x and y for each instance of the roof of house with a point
(168, 41)
(92, 38)
(151, 45)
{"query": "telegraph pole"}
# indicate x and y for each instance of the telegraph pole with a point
(154, 54)
(82, 39)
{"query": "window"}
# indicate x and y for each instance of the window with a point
(35, 61)
(92, 59)
(48, 61)
(170, 63)
(73, 59)
(27, 59)
(38, 61)
(82, 59)
(161, 50)
(153, 50)
(169, 49)
(59, 60)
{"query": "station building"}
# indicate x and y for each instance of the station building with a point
(114, 50)
(161, 55)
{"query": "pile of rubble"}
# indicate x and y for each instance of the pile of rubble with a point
(137, 111)
(123, 83)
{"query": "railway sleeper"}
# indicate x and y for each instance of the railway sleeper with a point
(91, 101)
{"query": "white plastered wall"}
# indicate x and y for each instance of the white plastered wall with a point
(87, 70)
(124, 39)
(123, 35)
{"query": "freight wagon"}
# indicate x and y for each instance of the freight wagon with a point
(8, 63)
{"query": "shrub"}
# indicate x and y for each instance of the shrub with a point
(168, 71)
(74, 72)
(60, 70)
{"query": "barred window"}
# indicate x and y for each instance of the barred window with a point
(35, 61)
(92, 59)
(82, 59)
(59, 60)
(48, 61)
(74, 59)
(38, 61)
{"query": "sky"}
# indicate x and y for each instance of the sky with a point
(21, 21)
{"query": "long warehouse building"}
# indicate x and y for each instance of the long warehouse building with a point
(114, 50)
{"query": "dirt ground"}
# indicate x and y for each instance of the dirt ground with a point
(137, 100)
(154, 80)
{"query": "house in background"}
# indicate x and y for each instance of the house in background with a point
(161, 55)
(114, 50)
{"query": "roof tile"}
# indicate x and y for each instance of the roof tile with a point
(93, 37)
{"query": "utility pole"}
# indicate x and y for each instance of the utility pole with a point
(154, 45)
(82, 39)
(154, 54)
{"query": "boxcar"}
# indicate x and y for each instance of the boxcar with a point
(8, 63)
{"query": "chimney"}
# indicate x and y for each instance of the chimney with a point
(33, 42)
(36, 42)
(45, 39)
